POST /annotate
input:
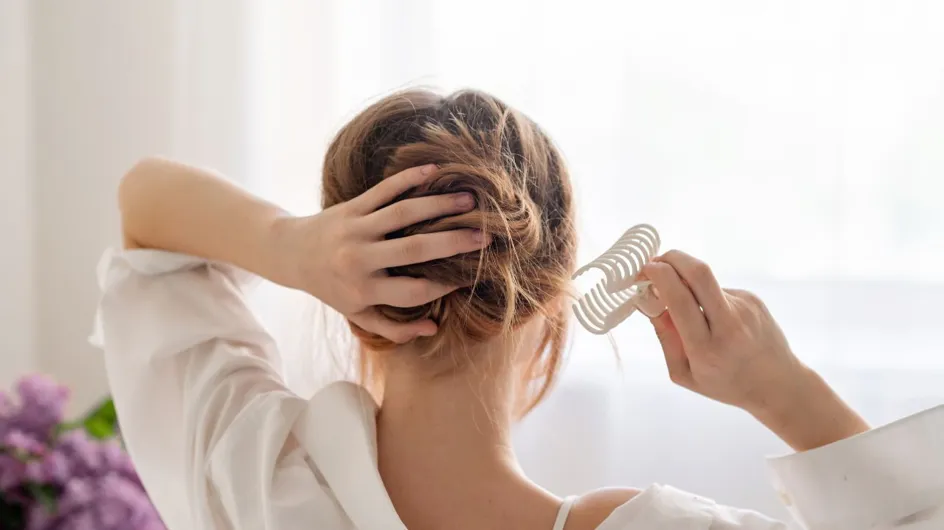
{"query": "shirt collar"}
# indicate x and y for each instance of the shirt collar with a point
(339, 432)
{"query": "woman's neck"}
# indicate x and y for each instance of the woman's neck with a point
(445, 451)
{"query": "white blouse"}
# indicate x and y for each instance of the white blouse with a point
(220, 442)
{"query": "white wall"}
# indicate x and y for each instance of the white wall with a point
(88, 88)
(100, 72)
(16, 226)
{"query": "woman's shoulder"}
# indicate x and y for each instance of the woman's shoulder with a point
(591, 509)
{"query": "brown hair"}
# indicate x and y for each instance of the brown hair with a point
(524, 202)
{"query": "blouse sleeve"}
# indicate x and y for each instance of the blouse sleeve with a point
(196, 384)
(889, 477)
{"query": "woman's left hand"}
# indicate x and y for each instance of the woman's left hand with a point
(340, 255)
(725, 345)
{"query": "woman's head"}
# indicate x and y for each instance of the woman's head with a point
(524, 203)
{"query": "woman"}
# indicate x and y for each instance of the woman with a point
(447, 241)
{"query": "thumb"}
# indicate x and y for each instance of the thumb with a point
(680, 372)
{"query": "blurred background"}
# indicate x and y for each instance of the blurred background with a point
(795, 146)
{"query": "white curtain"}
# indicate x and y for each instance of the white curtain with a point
(795, 146)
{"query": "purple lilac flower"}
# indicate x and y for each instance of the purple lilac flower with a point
(82, 451)
(108, 502)
(42, 403)
(39, 408)
(53, 468)
(93, 483)
(12, 472)
(22, 443)
(80, 521)
(99, 487)
(118, 461)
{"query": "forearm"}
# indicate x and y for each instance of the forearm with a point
(811, 415)
(170, 206)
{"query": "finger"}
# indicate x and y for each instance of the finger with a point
(680, 371)
(411, 211)
(746, 296)
(421, 248)
(703, 284)
(686, 315)
(391, 187)
(398, 332)
(401, 291)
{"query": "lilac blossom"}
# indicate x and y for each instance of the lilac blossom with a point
(62, 478)
(40, 408)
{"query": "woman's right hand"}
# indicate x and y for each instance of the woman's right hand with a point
(725, 345)
(341, 255)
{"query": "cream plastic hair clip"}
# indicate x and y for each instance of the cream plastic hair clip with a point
(614, 298)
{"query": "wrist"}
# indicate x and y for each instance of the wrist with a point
(279, 237)
(807, 413)
(785, 394)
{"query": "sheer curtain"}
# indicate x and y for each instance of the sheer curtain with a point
(794, 146)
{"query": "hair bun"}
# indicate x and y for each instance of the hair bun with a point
(523, 203)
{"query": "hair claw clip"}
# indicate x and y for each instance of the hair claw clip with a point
(618, 295)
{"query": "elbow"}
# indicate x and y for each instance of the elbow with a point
(134, 180)
(134, 188)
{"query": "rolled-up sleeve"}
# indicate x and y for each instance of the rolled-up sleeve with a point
(196, 384)
(890, 477)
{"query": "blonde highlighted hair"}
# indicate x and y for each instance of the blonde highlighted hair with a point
(524, 202)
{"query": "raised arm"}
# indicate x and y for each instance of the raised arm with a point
(339, 255)
(170, 206)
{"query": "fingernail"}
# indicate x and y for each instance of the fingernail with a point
(465, 200)
(428, 169)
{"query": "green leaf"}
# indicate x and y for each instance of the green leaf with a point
(102, 421)
(46, 495)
